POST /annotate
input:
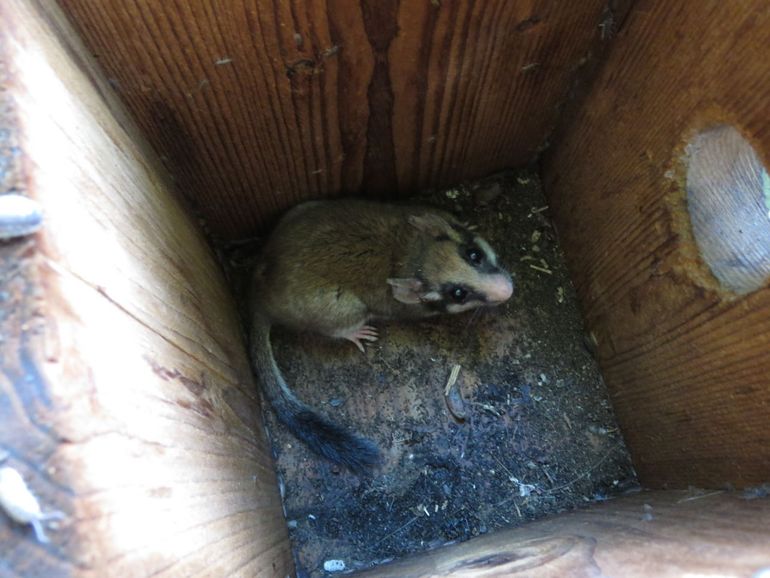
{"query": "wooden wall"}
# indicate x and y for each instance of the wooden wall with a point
(126, 400)
(686, 360)
(665, 534)
(257, 104)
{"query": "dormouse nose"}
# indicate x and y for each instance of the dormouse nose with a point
(499, 288)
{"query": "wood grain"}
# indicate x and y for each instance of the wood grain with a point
(126, 398)
(666, 534)
(685, 358)
(258, 104)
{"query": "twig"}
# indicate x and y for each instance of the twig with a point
(514, 480)
(547, 474)
(507, 471)
(577, 479)
(584, 474)
(489, 408)
(396, 531)
(465, 440)
(537, 268)
(452, 378)
(698, 497)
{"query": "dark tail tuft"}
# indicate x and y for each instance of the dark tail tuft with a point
(333, 442)
(322, 436)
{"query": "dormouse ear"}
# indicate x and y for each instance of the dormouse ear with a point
(406, 290)
(411, 291)
(430, 223)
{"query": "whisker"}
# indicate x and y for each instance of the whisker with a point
(472, 321)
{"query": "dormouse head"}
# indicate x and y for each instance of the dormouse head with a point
(456, 271)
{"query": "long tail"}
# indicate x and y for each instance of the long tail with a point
(323, 437)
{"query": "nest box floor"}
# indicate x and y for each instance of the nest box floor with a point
(539, 437)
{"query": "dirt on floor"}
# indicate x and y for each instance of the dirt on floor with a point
(538, 437)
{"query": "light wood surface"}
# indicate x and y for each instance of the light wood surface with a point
(665, 534)
(685, 358)
(256, 105)
(126, 398)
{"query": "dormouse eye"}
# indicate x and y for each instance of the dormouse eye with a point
(475, 255)
(458, 294)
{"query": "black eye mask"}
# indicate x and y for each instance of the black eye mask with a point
(475, 256)
(478, 259)
(457, 294)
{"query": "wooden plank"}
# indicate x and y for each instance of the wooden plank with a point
(662, 534)
(126, 397)
(685, 359)
(257, 105)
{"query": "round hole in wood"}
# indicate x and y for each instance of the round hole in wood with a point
(728, 198)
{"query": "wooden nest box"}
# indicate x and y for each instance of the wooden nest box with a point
(126, 400)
